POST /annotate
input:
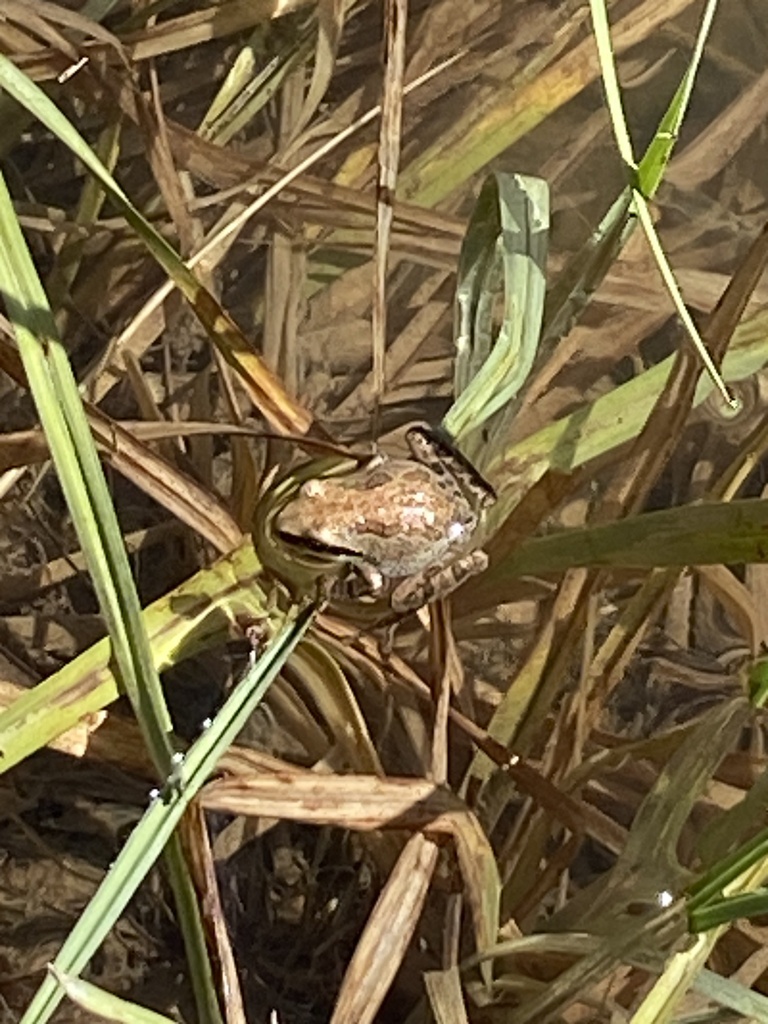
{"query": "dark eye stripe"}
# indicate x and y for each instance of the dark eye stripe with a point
(312, 544)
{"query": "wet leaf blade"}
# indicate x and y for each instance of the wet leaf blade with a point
(503, 255)
(146, 842)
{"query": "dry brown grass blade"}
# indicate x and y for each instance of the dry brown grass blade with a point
(515, 703)
(366, 803)
(195, 505)
(56, 14)
(649, 454)
(626, 492)
(16, 40)
(194, 836)
(654, 444)
(572, 813)
(730, 308)
(266, 390)
(238, 174)
(32, 584)
(387, 934)
(154, 127)
(325, 687)
(213, 22)
(315, 704)
(597, 963)
(613, 656)
(737, 600)
(447, 676)
(475, 139)
(362, 802)
(537, 503)
(446, 998)
(189, 30)
(330, 24)
(651, 450)
(26, 447)
(404, 351)
(580, 710)
(283, 306)
(282, 412)
(22, 448)
(716, 146)
(272, 399)
(480, 874)
(650, 863)
(569, 631)
(395, 21)
(33, 17)
(286, 260)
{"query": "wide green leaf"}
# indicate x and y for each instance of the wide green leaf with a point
(502, 264)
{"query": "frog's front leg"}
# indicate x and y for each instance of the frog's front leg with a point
(361, 580)
(436, 581)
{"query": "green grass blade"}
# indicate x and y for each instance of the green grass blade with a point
(645, 218)
(192, 617)
(725, 911)
(147, 840)
(758, 682)
(30, 96)
(104, 1004)
(733, 994)
(504, 250)
(706, 534)
(232, 344)
(653, 164)
(74, 455)
(613, 419)
(585, 272)
(248, 87)
(657, 162)
(710, 886)
(581, 277)
(192, 928)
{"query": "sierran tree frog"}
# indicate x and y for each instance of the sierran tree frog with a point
(407, 526)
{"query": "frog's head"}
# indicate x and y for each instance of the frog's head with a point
(285, 548)
(309, 520)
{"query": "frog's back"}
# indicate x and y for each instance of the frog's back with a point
(396, 515)
(406, 517)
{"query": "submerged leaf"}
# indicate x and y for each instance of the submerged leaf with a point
(504, 252)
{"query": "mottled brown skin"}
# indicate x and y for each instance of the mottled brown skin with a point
(404, 523)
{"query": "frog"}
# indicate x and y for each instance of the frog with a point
(406, 527)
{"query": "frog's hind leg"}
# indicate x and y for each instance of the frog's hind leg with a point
(437, 581)
(436, 449)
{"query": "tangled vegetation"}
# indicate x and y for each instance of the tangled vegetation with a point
(245, 246)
